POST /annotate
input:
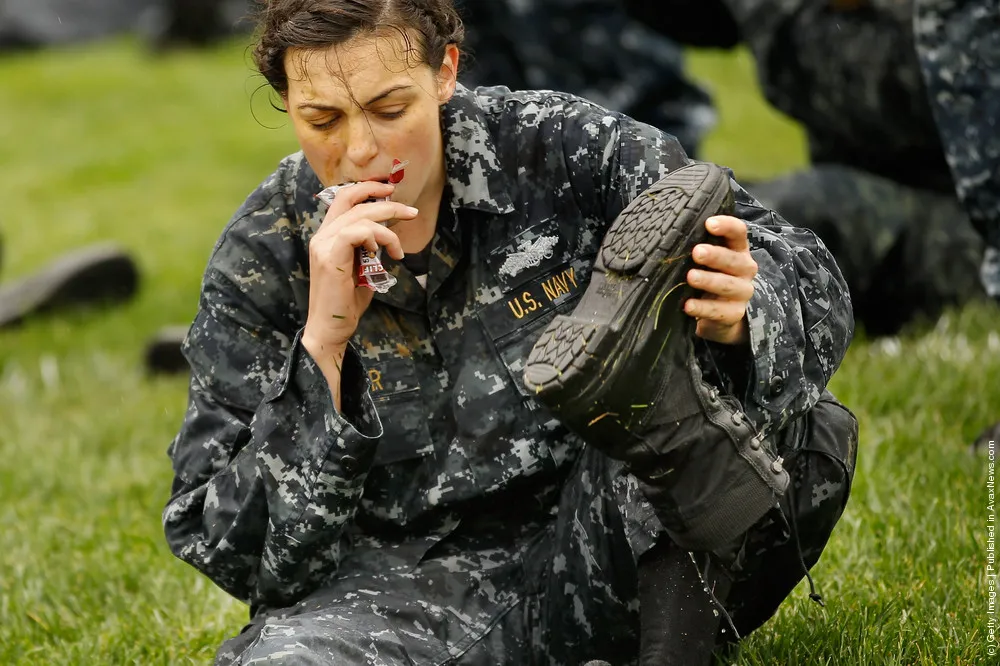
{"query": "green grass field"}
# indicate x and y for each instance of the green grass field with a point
(106, 143)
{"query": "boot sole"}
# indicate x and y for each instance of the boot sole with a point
(643, 260)
(95, 275)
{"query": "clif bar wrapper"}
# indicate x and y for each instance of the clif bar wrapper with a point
(370, 273)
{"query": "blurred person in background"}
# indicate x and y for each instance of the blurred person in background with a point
(399, 477)
(958, 42)
(165, 24)
(878, 191)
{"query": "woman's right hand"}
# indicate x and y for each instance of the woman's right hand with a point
(336, 303)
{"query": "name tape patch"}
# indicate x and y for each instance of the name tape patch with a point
(533, 299)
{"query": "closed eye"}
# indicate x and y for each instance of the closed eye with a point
(391, 115)
(325, 125)
(385, 115)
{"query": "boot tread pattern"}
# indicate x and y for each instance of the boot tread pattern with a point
(562, 342)
(648, 228)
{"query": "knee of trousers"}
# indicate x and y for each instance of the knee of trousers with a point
(821, 454)
(769, 560)
(322, 639)
(720, 493)
(821, 458)
(822, 463)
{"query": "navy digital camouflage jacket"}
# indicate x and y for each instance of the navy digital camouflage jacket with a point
(276, 494)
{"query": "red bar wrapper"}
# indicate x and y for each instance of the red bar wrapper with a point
(371, 273)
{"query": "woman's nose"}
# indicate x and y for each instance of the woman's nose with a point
(361, 144)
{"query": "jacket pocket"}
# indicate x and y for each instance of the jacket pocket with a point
(515, 322)
(399, 402)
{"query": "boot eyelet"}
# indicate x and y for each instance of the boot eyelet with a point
(756, 443)
(777, 467)
(737, 418)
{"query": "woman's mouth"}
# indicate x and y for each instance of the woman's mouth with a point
(394, 176)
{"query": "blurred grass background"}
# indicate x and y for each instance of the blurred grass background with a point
(109, 143)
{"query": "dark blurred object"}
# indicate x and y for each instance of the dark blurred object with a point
(186, 23)
(31, 24)
(702, 23)
(194, 23)
(679, 621)
(982, 443)
(163, 351)
(96, 275)
(590, 48)
(34, 24)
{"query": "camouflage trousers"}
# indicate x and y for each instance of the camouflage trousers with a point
(906, 253)
(575, 581)
(959, 48)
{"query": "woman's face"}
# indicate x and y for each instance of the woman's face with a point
(357, 106)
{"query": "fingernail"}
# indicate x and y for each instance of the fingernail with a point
(412, 210)
(698, 253)
(713, 224)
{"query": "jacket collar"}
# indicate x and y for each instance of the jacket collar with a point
(471, 162)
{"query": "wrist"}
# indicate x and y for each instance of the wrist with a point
(329, 358)
(327, 355)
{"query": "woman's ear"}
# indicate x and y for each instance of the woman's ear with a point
(448, 74)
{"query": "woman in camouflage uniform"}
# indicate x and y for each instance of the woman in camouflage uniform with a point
(542, 427)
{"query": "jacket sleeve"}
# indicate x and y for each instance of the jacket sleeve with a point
(800, 317)
(267, 472)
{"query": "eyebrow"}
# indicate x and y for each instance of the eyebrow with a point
(382, 95)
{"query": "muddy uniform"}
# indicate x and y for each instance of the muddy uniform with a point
(444, 516)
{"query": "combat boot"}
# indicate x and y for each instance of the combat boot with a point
(621, 371)
(93, 275)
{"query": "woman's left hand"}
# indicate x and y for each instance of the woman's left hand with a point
(728, 285)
